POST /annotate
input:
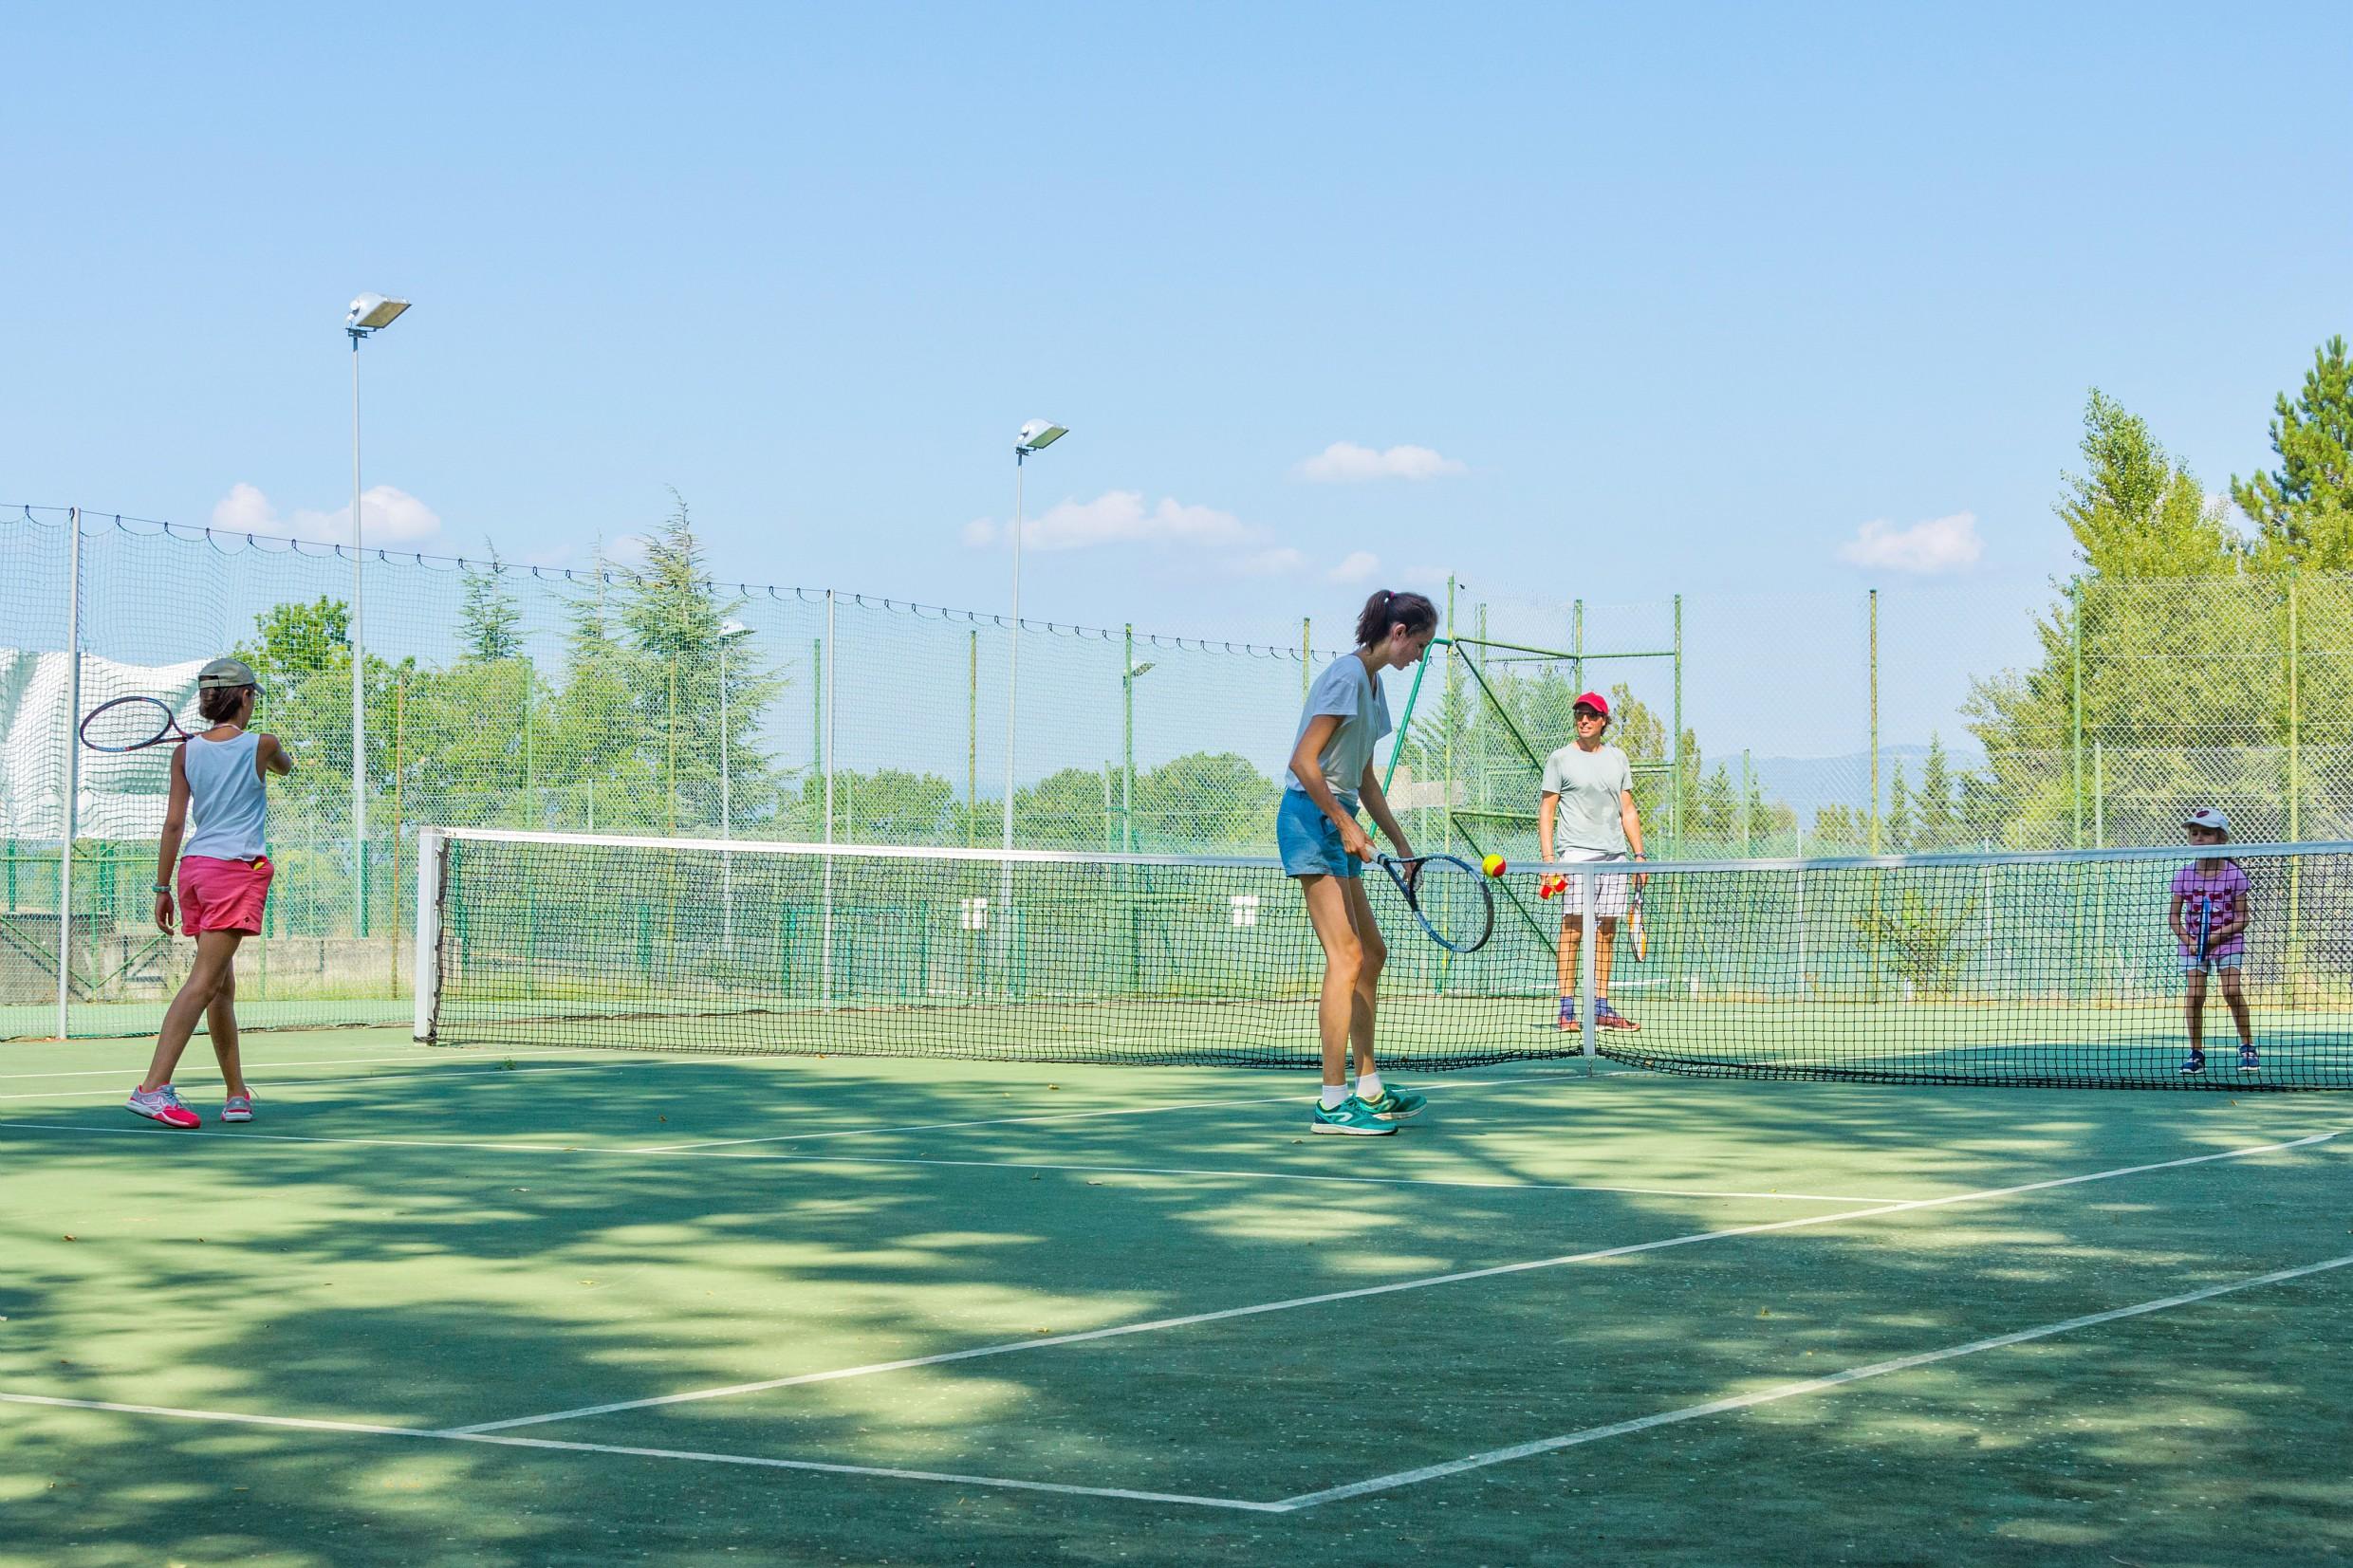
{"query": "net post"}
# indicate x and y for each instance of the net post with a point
(1588, 943)
(833, 662)
(431, 847)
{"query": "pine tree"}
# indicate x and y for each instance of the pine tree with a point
(2304, 509)
(1898, 826)
(487, 616)
(1939, 813)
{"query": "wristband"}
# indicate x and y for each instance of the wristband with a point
(161, 887)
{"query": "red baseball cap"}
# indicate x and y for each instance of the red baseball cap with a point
(1595, 701)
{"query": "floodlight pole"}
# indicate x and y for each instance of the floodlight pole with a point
(359, 671)
(369, 313)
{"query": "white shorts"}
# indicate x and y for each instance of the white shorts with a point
(1610, 894)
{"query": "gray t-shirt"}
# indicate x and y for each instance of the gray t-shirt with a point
(1348, 689)
(1591, 786)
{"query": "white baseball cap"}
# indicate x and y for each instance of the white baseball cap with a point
(2208, 816)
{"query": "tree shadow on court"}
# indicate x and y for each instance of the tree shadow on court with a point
(425, 1287)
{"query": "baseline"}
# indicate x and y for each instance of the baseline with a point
(591, 1151)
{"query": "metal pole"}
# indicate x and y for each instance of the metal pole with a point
(1678, 818)
(727, 819)
(1127, 744)
(1013, 694)
(399, 746)
(1874, 658)
(1307, 654)
(2075, 755)
(2099, 797)
(826, 958)
(1012, 676)
(72, 814)
(1577, 644)
(817, 710)
(972, 746)
(1453, 711)
(2295, 717)
(1588, 931)
(358, 674)
(1748, 793)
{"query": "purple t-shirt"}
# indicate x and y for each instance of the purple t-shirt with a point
(2224, 898)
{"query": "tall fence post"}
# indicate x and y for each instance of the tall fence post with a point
(70, 816)
(1873, 657)
(1307, 654)
(1454, 708)
(2075, 702)
(971, 745)
(832, 663)
(1675, 817)
(2295, 716)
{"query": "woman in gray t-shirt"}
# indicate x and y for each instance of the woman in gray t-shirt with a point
(1323, 846)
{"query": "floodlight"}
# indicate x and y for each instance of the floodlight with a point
(1037, 436)
(371, 312)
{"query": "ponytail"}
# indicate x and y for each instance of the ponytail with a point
(1388, 609)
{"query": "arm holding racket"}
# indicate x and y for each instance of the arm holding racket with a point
(167, 848)
(1308, 767)
(1368, 792)
(1547, 812)
(1630, 818)
(271, 755)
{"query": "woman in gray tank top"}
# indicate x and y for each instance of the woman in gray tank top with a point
(224, 883)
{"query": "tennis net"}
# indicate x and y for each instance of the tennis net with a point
(2052, 969)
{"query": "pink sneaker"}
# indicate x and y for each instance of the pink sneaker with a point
(163, 1105)
(238, 1107)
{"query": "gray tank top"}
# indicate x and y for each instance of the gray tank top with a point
(225, 790)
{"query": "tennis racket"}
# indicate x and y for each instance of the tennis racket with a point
(2205, 921)
(1636, 927)
(131, 724)
(1449, 897)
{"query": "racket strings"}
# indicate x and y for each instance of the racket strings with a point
(127, 724)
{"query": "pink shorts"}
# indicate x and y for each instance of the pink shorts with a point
(223, 895)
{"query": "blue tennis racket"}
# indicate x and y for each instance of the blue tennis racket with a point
(1449, 897)
(2205, 923)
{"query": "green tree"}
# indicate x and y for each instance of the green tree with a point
(488, 617)
(888, 805)
(1206, 801)
(2302, 510)
(1937, 800)
(1071, 808)
(1899, 826)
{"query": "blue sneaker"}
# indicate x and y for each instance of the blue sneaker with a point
(1351, 1115)
(1568, 1012)
(2194, 1064)
(1395, 1105)
(2248, 1060)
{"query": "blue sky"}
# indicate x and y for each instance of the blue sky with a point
(1600, 303)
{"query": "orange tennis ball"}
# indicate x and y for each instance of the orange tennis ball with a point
(1493, 864)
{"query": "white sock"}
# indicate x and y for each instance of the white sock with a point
(1368, 1086)
(1335, 1096)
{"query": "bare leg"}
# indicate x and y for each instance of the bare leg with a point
(220, 1022)
(1374, 954)
(216, 951)
(1605, 953)
(2237, 1000)
(2196, 1006)
(1332, 913)
(1572, 943)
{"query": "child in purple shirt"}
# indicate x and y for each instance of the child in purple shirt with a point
(2210, 910)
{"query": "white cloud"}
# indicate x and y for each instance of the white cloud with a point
(1358, 567)
(1940, 544)
(1344, 462)
(393, 517)
(1121, 517)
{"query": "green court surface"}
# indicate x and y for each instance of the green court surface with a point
(550, 1307)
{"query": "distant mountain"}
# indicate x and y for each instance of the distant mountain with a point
(1806, 784)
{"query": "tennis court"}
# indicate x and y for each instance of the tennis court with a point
(506, 1305)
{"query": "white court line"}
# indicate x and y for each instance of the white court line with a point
(1119, 1329)
(1053, 1116)
(245, 1135)
(364, 1077)
(455, 1053)
(367, 1429)
(1792, 1390)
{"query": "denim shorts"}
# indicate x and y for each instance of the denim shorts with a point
(1309, 842)
(2217, 962)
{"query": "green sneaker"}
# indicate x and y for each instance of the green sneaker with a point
(1395, 1105)
(1350, 1115)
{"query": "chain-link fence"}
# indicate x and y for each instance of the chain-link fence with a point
(654, 700)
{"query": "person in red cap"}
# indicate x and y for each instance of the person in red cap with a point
(1587, 813)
